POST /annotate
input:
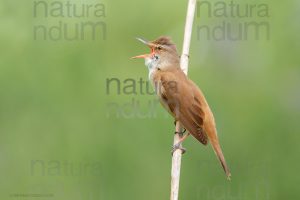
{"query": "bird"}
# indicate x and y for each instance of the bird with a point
(180, 96)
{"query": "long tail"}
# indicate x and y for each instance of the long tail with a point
(216, 146)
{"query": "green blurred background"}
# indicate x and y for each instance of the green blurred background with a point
(63, 136)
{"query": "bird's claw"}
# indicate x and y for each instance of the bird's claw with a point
(178, 146)
(184, 130)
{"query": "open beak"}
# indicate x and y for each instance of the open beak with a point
(149, 44)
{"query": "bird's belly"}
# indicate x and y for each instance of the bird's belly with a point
(166, 106)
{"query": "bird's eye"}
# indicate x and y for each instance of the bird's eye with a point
(159, 48)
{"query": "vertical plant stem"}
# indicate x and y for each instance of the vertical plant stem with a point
(184, 61)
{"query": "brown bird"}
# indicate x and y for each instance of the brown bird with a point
(180, 96)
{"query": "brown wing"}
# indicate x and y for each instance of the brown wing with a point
(181, 99)
(184, 100)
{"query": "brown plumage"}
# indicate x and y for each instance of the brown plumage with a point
(180, 96)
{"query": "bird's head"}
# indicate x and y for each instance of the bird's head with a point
(163, 53)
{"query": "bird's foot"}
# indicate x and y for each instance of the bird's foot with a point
(178, 146)
(182, 132)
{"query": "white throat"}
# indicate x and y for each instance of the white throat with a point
(152, 64)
